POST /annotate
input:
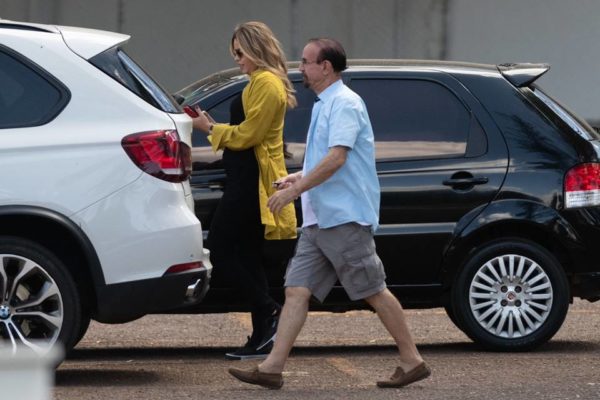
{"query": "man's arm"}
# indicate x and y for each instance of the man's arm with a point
(334, 160)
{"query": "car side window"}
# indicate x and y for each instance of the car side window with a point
(27, 96)
(414, 119)
(294, 132)
(296, 125)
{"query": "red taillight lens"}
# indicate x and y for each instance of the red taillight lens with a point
(184, 267)
(160, 154)
(582, 186)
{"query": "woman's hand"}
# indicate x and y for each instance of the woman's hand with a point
(201, 122)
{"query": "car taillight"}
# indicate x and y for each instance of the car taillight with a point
(173, 269)
(160, 154)
(582, 186)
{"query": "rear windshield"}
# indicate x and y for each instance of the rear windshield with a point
(577, 124)
(119, 66)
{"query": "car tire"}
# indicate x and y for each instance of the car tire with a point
(40, 305)
(511, 295)
(452, 316)
(83, 327)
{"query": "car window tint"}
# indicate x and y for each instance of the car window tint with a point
(26, 97)
(118, 65)
(578, 125)
(414, 118)
(203, 156)
(296, 125)
(220, 113)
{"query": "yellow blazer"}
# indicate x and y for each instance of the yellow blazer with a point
(264, 100)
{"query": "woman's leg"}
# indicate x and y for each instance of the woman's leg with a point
(235, 241)
(265, 310)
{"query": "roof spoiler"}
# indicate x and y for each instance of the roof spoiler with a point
(522, 74)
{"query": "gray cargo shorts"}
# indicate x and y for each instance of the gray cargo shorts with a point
(345, 252)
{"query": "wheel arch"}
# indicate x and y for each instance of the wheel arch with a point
(60, 235)
(524, 220)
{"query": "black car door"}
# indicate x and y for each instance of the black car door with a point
(439, 156)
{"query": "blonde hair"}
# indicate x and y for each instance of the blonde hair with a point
(260, 45)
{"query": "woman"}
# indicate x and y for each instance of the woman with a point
(253, 157)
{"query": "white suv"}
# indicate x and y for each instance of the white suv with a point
(96, 212)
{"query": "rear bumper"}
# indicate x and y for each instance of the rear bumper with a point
(127, 301)
(587, 286)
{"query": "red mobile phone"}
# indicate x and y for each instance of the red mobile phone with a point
(190, 111)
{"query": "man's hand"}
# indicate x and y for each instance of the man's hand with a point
(292, 186)
(287, 181)
(282, 197)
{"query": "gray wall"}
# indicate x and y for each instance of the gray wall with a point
(180, 41)
(562, 33)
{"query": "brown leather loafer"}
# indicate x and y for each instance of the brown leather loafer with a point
(255, 377)
(401, 378)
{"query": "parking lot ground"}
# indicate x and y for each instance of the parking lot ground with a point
(338, 356)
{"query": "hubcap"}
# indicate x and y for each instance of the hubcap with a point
(511, 296)
(31, 313)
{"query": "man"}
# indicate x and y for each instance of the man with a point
(340, 208)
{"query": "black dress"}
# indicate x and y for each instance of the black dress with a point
(236, 232)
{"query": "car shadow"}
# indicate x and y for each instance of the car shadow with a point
(66, 377)
(166, 353)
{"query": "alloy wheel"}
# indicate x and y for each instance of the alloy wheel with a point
(511, 296)
(31, 305)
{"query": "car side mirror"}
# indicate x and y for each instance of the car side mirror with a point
(178, 98)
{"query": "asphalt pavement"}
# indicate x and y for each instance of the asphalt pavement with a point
(338, 356)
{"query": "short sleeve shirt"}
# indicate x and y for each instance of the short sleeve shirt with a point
(352, 194)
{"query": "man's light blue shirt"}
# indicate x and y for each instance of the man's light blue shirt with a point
(340, 118)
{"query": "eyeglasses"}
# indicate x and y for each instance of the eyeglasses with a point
(304, 62)
(238, 53)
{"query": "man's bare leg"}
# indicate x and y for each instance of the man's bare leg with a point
(292, 319)
(391, 314)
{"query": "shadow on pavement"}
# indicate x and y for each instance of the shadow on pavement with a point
(219, 352)
(103, 377)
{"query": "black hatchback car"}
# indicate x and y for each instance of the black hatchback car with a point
(490, 194)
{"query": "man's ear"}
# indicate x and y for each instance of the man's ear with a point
(327, 67)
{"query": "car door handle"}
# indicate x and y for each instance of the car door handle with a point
(215, 185)
(466, 181)
(211, 185)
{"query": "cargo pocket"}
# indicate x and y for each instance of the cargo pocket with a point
(360, 266)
